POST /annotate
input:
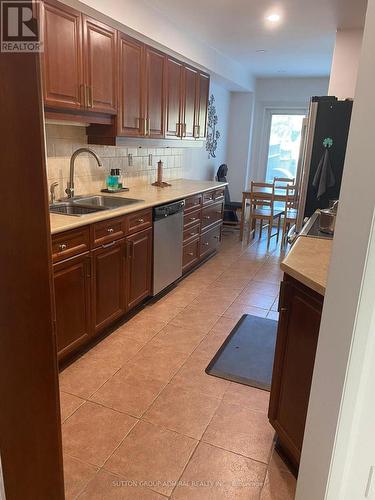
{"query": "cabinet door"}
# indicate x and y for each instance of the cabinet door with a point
(72, 303)
(61, 59)
(100, 65)
(130, 118)
(297, 337)
(139, 250)
(108, 295)
(173, 126)
(202, 105)
(155, 92)
(190, 102)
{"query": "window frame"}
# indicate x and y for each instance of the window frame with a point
(266, 132)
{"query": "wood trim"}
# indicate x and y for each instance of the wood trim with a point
(30, 427)
(79, 116)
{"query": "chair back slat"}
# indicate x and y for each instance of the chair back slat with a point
(291, 197)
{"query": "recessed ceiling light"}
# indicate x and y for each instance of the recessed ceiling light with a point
(273, 18)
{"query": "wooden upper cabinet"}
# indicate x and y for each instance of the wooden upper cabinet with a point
(155, 72)
(190, 102)
(61, 59)
(201, 111)
(100, 65)
(174, 91)
(130, 116)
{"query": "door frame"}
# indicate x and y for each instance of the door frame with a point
(268, 112)
(30, 422)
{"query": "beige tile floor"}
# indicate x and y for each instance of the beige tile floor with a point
(142, 420)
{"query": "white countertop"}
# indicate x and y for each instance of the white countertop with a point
(150, 196)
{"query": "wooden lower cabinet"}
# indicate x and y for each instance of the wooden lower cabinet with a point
(297, 337)
(72, 280)
(138, 269)
(190, 254)
(210, 240)
(108, 284)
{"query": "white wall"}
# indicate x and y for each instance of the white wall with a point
(239, 140)
(282, 94)
(345, 63)
(332, 466)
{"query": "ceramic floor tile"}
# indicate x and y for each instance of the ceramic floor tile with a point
(170, 454)
(107, 486)
(278, 485)
(215, 474)
(86, 375)
(273, 315)
(77, 475)
(69, 404)
(183, 340)
(238, 309)
(161, 311)
(242, 431)
(128, 392)
(255, 299)
(197, 319)
(158, 363)
(142, 329)
(186, 412)
(192, 377)
(116, 349)
(247, 397)
(263, 288)
(93, 432)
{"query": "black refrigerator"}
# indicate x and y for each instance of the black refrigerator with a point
(327, 126)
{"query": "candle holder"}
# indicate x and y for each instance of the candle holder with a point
(159, 182)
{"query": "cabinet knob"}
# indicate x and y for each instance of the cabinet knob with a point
(193, 234)
(193, 218)
(110, 230)
(207, 217)
(190, 254)
(63, 246)
(206, 244)
(141, 221)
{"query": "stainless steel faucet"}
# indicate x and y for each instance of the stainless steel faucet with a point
(70, 186)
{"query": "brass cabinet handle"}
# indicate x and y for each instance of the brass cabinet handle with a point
(184, 129)
(148, 126)
(199, 131)
(178, 129)
(195, 131)
(89, 96)
(191, 254)
(110, 230)
(84, 95)
(62, 247)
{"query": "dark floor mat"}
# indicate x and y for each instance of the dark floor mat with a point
(246, 355)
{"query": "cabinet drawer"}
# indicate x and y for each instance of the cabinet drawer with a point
(193, 202)
(191, 232)
(70, 243)
(190, 254)
(212, 214)
(105, 231)
(138, 221)
(219, 194)
(210, 240)
(208, 197)
(191, 219)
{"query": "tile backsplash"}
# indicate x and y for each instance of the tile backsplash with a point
(62, 140)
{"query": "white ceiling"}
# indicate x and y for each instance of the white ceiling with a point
(301, 45)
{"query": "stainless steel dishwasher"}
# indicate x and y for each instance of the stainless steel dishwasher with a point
(168, 234)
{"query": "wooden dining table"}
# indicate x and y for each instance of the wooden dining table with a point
(280, 195)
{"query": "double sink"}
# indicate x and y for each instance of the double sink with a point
(84, 205)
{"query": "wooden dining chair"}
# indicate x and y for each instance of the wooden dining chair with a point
(283, 182)
(290, 212)
(262, 208)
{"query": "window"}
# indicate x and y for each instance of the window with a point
(284, 145)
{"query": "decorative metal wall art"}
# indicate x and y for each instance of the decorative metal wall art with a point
(213, 135)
